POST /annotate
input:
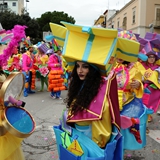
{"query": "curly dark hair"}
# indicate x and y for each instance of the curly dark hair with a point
(81, 92)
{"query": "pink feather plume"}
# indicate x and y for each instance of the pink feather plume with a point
(18, 33)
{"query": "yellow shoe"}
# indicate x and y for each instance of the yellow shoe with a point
(147, 130)
(150, 118)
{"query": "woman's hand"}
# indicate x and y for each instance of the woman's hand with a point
(147, 74)
(135, 84)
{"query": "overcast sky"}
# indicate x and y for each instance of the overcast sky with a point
(83, 11)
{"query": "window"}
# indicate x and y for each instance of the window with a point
(118, 24)
(112, 25)
(158, 14)
(14, 4)
(124, 24)
(134, 17)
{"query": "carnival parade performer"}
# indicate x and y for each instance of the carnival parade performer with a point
(55, 76)
(87, 80)
(130, 92)
(150, 71)
(92, 111)
(10, 145)
(13, 63)
(129, 82)
(27, 66)
(41, 61)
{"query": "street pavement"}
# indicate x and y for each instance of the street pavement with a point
(41, 145)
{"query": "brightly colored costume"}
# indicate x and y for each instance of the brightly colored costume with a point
(29, 73)
(14, 64)
(87, 133)
(10, 147)
(152, 84)
(125, 74)
(55, 75)
(94, 133)
(15, 122)
(67, 72)
(132, 109)
(41, 62)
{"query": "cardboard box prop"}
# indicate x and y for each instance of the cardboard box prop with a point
(127, 49)
(98, 46)
(93, 45)
(59, 33)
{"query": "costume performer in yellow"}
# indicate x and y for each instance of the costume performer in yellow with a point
(92, 110)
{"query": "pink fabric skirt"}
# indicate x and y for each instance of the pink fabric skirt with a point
(154, 99)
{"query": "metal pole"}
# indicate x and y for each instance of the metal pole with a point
(26, 5)
(2, 5)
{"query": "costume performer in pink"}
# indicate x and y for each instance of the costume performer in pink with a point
(27, 64)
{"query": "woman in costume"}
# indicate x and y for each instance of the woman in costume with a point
(87, 80)
(129, 82)
(93, 112)
(41, 61)
(150, 71)
(132, 110)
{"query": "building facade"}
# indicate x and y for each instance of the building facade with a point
(140, 16)
(14, 5)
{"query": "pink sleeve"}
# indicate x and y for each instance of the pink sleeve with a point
(52, 61)
(24, 63)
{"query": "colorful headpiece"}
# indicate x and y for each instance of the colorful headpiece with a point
(151, 43)
(27, 42)
(97, 46)
(43, 47)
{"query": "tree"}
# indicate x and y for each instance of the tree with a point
(8, 19)
(54, 17)
(36, 27)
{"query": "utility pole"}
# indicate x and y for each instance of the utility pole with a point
(2, 5)
(26, 4)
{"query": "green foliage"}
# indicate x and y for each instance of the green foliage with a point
(36, 27)
(54, 17)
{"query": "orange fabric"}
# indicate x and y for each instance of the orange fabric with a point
(59, 72)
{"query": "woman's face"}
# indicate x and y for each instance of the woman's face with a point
(151, 59)
(82, 70)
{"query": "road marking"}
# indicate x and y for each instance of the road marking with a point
(155, 134)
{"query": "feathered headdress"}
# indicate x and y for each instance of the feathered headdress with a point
(18, 33)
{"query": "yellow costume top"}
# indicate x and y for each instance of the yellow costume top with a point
(102, 112)
(10, 61)
(101, 129)
(125, 75)
(44, 59)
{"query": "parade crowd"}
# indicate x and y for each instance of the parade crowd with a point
(97, 105)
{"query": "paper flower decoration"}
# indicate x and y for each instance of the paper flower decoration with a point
(43, 71)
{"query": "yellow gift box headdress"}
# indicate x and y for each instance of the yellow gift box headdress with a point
(97, 46)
